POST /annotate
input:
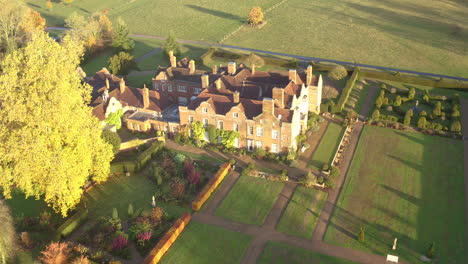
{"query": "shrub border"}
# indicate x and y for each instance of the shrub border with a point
(209, 188)
(139, 162)
(71, 224)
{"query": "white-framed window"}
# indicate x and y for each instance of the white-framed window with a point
(197, 90)
(274, 148)
(220, 125)
(250, 145)
(274, 134)
(138, 127)
(235, 115)
(155, 86)
(131, 126)
(175, 129)
(204, 110)
(235, 127)
(181, 88)
(169, 87)
(259, 132)
(258, 144)
(250, 130)
(205, 122)
(190, 119)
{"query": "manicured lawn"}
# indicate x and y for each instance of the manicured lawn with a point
(250, 200)
(95, 64)
(328, 145)
(118, 192)
(278, 253)
(201, 243)
(302, 213)
(139, 80)
(407, 186)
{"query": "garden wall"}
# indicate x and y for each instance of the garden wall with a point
(167, 240)
(139, 162)
(211, 186)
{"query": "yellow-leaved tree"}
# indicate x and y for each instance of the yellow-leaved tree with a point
(50, 144)
(255, 16)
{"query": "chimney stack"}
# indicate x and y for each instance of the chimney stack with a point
(122, 85)
(236, 97)
(231, 68)
(107, 84)
(205, 81)
(145, 96)
(172, 59)
(292, 75)
(268, 106)
(215, 69)
(253, 69)
(278, 96)
(191, 67)
(218, 83)
(309, 76)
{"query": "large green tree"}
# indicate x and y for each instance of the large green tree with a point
(51, 144)
(120, 38)
(7, 231)
(122, 64)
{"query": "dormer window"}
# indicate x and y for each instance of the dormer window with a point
(235, 115)
(204, 110)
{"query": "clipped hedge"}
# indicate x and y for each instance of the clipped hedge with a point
(338, 108)
(167, 240)
(71, 224)
(203, 196)
(139, 162)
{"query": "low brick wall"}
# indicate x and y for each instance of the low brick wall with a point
(211, 186)
(167, 240)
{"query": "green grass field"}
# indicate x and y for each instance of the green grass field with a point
(302, 213)
(327, 146)
(385, 33)
(278, 253)
(201, 243)
(407, 186)
(118, 192)
(250, 200)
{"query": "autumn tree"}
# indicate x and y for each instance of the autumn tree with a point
(338, 72)
(49, 4)
(7, 231)
(52, 144)
(112, 139)
(120, 37)
(255, 16)
(17, 24)
(122, 63)
(171, 45)
(56, 253)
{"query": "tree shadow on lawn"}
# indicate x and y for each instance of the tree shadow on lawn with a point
(217, 13)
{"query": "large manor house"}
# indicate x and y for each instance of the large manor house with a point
(268, 109)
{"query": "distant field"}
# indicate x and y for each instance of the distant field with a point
(407, 186)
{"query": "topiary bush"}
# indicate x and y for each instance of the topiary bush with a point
(338, 72)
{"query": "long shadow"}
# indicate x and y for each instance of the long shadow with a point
(408, 197)
(217, 13)
(407, 162)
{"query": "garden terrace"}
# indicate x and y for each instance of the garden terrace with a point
(403, 185)
(328, 145)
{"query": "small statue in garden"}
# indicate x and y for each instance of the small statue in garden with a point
(153, 203)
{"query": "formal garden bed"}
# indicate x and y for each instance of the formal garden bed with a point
(302, 213)
(401, 106)
(237, 205)
(280, 253)
(202, 243)
(403, 185)
(139, 207)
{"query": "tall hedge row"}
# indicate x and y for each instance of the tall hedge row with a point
(338, 108)
(139, 162)
(71, 224)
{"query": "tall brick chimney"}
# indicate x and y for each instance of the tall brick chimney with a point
(172, 59)
(231, 67)
(292, 75)
(253, 69)
(191, 67)
(218, 83)
(107, 84)
(215, 69)
(278, 96)
(145, 96)
(236, 97)
(205, 81)
(268, 106)
(122, 85)
(309, 75)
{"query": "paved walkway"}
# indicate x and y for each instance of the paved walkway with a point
(304, 58)
(464, 111)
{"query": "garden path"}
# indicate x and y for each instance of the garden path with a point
(464, 119)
